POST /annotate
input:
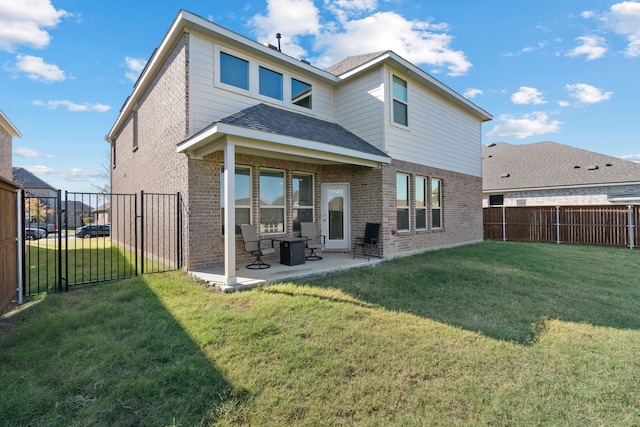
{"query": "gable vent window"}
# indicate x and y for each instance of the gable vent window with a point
(400, 100)
(301, 93)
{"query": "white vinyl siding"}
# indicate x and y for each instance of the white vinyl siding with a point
(209, 101)
(439, 134)
(360, 107)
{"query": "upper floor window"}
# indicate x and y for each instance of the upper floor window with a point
(496, 200)
(135, 130)
(270, 83)
(301, 93)
(436, 203)
(402, 197)
(421, 203)
(400, 99)
(272, 201)
(234, 71)
(302, 203)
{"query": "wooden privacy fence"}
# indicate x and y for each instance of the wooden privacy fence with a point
(617, 225)
(8, 242)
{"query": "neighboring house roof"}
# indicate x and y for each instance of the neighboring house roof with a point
(302, 135)
(28, 180)
(76, 206)
(6, 124)
(545, 165)
(187, 21)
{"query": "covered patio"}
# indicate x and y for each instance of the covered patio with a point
(331, 262)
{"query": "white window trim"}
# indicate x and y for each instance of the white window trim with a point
(393, 98)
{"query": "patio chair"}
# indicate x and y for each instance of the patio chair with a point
(309, 230)
(253, 246)
(369, 242)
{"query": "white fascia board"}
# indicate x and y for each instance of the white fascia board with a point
(212, 139)
(6, 124)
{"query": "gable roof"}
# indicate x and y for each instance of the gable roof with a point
(551, 165)
(186, 21)
(28, 180)
(293, 133)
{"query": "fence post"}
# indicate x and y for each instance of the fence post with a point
(630, 208)
(504, 224)
(142, 258)
(558, 224)
(20, 242)
(59, 237)
(179, 230)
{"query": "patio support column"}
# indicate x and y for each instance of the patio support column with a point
(229, 219)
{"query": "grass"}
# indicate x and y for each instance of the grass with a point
(489, 334)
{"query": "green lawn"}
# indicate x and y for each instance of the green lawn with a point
(489, 334)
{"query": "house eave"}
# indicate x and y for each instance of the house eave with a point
(6, 124)
(214, 138)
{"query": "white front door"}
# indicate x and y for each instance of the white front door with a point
(335, 216)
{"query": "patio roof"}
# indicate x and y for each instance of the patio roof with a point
(284, 133)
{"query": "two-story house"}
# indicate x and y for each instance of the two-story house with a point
(250, 135)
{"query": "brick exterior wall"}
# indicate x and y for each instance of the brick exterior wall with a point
(565, 197)
(5, 155)
(373, 199)
(155, 166)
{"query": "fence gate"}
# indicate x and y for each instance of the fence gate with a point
(98, 237)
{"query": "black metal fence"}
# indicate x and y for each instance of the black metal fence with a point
(96, 237)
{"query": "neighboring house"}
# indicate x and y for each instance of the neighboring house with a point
(248, 134)
(551, 174)
(78, 213)
(34, 186)
(102, 214)
(7, 132)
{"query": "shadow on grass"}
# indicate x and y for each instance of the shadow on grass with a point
(504, 290)
(108, 355)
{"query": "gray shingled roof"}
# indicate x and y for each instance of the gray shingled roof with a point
(28, 180)
(288, 123)
(352, 62)
(549, 164)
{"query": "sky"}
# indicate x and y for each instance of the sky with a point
(547, 70)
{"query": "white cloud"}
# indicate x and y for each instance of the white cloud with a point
(472, 92)
(631, 157)
(564, 103)
(536, 123)
(29, 153)
(72, 106)
(624, 19)
(587, 14)
(356, 30)
(69, 174)
(593, 47)
(23, 23)
(134, 67)
(37, 69)
(587, 94)
(527, 95)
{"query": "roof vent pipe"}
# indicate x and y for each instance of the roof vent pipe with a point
(279, 36)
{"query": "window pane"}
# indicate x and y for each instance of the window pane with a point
(243, 187)
(435, 218)
(400, 114)
(421, 218)
(271, 220)
(399, 89)
(302, 190)
(301, 215)
(436, 197)
(403, 219)
(270, 83)
(496, 200)
(234, 71)
(300, 93)
(402, 190)
(421, 197)
(271, 188)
